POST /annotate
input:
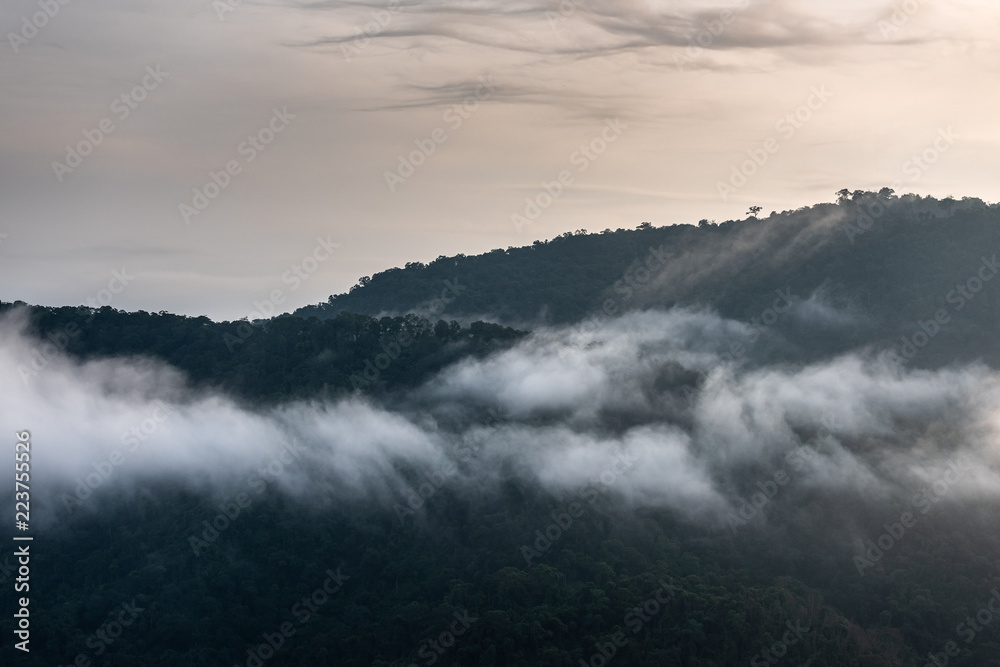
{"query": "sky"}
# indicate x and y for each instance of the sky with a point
(200, 157)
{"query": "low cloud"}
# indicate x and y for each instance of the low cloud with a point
(647, 407)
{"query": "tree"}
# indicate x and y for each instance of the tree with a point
(754, 210)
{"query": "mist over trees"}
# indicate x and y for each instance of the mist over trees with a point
(765, 441)
(893, 260)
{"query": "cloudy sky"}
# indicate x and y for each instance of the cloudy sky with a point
(213, 152)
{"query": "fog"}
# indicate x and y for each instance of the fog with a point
(652, 408)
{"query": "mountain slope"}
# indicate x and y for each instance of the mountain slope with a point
(887, 263)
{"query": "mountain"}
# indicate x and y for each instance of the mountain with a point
(884, 262)
(757, 442)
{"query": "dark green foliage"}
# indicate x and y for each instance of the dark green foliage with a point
(462, 553)
(730, 596)
(893, 261)
(277, 359)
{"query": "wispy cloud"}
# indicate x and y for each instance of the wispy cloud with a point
(655, 387)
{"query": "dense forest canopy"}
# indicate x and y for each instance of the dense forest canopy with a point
(890, 261)
(756, 442)
(266, 360)
(864, 238)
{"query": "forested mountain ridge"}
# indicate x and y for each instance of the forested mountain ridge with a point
(892, 261)
(874, 265)
(759, 485)
(265, 361)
